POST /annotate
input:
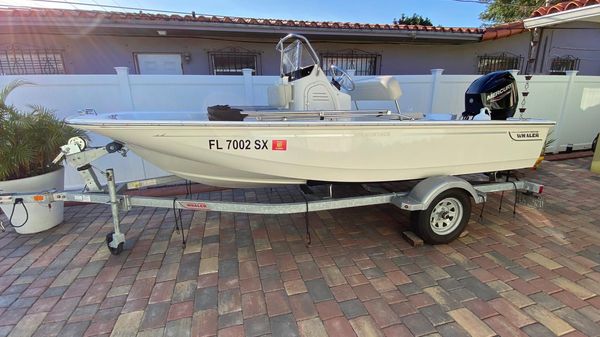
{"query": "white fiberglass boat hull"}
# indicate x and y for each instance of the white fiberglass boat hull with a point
(259, 153)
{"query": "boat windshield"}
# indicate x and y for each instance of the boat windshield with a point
(296, 55)
(291, 57)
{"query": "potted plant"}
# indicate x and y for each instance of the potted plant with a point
(29, 141)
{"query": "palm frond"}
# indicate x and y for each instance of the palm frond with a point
(549, 141)
(5, 92)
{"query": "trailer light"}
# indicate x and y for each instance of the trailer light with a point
(38, 197)
(541, 189)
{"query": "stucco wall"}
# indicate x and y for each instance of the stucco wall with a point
(581, 40)
(414, 59)
(100, 54)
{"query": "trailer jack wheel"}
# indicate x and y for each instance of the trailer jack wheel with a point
(444, 219)
(115, 243)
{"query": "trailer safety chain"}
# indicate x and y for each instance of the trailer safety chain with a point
(306, 221)
(18, 201)
(175, 215)
(502, 194)
(481, 213)
(188, 194)
(515, 189)
(178, 221)
(515, 202)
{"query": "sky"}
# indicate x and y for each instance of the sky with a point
(449, 13)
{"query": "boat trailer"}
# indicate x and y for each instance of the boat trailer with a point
(440, 205)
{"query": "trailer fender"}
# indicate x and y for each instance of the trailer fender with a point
(426, 190)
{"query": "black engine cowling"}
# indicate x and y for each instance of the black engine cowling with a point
(496, 91)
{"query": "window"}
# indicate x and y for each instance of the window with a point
(158, 64)
(504, 61)
(231, 61)
(362, 62)
(561, 64)
(18, 61)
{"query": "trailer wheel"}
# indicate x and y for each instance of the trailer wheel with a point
(113, 251)
(445, 218)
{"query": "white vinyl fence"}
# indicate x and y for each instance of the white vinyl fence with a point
(573, 101)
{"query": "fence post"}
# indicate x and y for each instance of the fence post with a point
(125, 88)
(248, 86)
(562, 115)
(435, 81)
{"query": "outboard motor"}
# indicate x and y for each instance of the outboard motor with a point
(495, 91)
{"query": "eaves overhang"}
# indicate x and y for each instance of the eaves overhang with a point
(587, 13)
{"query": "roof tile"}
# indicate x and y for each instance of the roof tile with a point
(503, 30)
(489, 33)
(563, 6)
(116, 16)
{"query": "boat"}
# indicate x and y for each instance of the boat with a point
(312, 131)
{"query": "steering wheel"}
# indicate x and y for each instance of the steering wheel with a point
(339, 77)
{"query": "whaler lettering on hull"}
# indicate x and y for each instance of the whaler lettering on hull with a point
(525, 135)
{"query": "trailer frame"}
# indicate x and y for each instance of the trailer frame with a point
(417, 199)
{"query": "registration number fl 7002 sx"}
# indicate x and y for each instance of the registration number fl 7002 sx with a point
(247, 144)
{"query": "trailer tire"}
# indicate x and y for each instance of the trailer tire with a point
(445, 218)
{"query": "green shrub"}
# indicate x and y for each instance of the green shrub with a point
(29, 141)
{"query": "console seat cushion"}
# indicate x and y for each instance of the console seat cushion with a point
(380, 88)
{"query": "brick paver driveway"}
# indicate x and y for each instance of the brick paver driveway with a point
(536, 274)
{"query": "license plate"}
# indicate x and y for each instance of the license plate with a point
(530, 200)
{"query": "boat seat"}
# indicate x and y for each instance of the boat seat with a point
(279, 95)
(380, 88)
